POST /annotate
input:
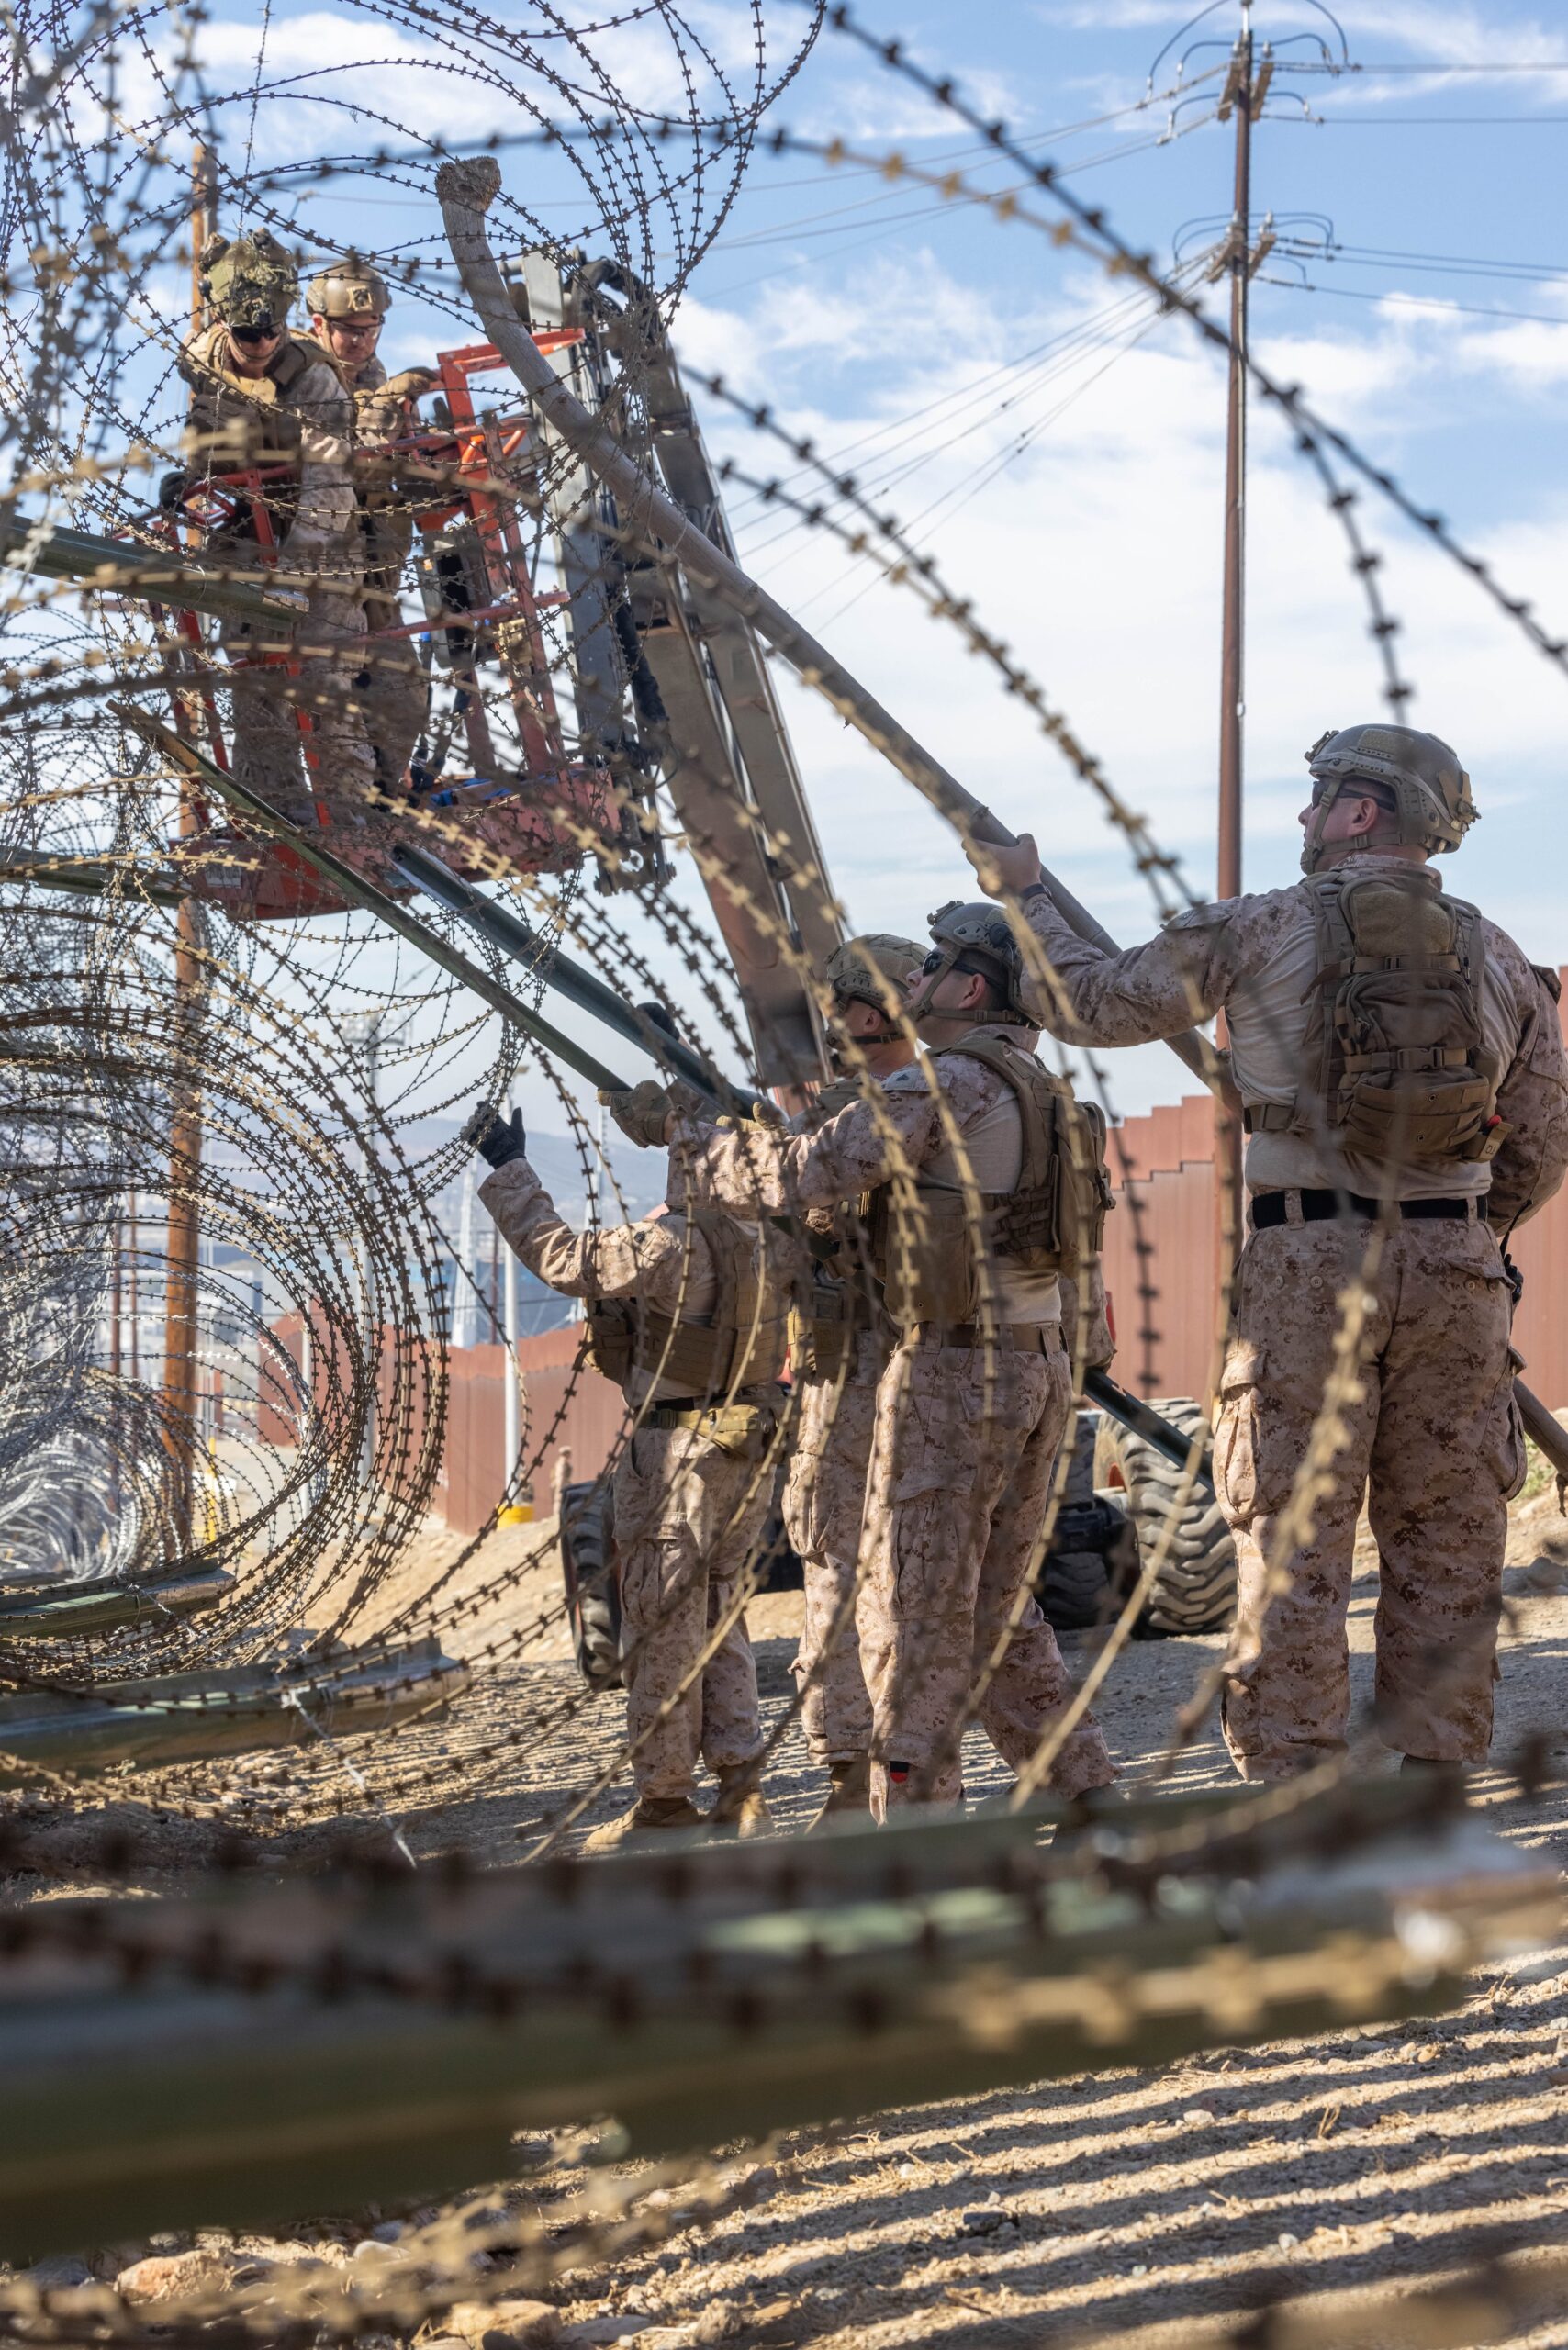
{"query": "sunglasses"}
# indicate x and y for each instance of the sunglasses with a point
(968, 965)
(252, 336)
(1363, 786)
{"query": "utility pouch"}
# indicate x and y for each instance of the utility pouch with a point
(608, 1348)
(740, 1431)
(822, 1331)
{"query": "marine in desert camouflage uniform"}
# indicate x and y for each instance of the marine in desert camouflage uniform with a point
(263, 398)
(348, 305)
(971, 1407)
(839, 1346)
(682, 1316)
(1421, 1071)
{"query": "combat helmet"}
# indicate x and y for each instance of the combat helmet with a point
(349, 288)
(250, 282)
(868, 969)
(1431, 789)
(975, 936)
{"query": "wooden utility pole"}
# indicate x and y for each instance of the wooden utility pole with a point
(183, 1246)
(1243, 97)
(1237, 100)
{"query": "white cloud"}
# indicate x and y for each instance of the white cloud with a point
(1096, 555)
(324, 69)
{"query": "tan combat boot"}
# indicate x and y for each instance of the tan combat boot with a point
(741, 1806)
(849, 1791)
(649, 1812)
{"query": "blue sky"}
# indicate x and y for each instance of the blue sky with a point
(1060, 450)
(1095, 549)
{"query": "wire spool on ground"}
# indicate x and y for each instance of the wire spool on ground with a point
(1196, 1588)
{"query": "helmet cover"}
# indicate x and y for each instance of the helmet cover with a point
(251, 282)
(349, 288)
(867, 969)
(976, 928)
(1433, 805)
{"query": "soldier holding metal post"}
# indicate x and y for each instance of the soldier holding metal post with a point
(981, 1178)
(1402, 1071)
(686, 1313)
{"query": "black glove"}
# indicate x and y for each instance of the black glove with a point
(661, 1018)
(496, 1139)
(1514, 1278)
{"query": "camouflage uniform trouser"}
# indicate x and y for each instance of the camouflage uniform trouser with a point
(396, 695)
(960, 1477)
(333, 764)
(687, 1521)
(1436, 1432)
(824, 1501)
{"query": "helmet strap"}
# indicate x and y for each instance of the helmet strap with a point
(983, 1015)
(920, 1003)
(1313, 845)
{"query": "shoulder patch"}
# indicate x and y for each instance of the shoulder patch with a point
(1552, 980)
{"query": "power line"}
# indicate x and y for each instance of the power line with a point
(1415, 301)
(1411, 121)
(1461, 264)
(1340, 73)
(1088, 226)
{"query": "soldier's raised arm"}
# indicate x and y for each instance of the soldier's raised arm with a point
(1182, 976)
(644, 1260)
(764, 1170)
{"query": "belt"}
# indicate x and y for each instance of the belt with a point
(1270, 1208)
(1029, 1337)
(712, 1419)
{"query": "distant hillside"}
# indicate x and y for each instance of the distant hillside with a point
(557, 1159)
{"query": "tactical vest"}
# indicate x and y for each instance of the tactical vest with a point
(742, 1346)
(1399, 1064)
(254, 424)
(924, 1243)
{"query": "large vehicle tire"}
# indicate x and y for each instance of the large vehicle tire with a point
(593, 1592)
(1094, 1559)
(1196, 1590)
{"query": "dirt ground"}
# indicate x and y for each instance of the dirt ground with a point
(1135, 2203)
(1119, 2202)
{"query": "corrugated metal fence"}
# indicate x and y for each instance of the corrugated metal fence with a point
(580, 1415)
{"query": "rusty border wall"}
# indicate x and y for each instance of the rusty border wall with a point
(1164, 1159)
